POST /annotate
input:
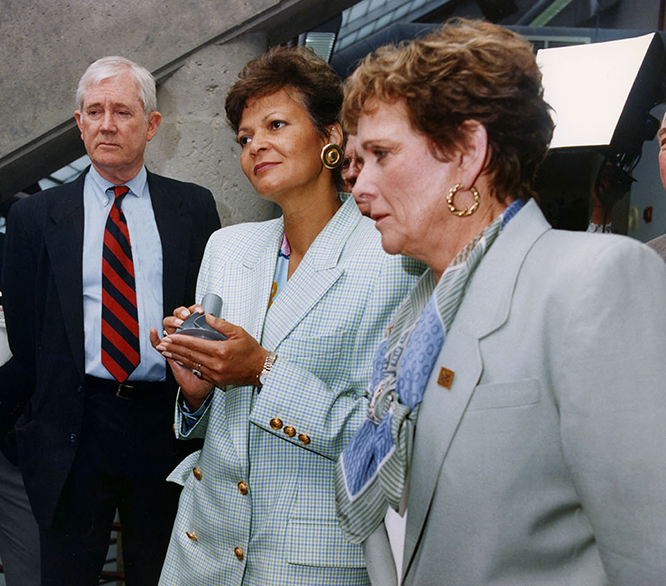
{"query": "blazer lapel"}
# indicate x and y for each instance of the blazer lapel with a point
(484, 309)
(174, 228)
(254, 271)
(439, 416)
(64, 241)
(316, 274)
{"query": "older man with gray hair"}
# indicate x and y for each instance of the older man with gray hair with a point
(89, 268)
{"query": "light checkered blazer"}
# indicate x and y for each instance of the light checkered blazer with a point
(259, 508)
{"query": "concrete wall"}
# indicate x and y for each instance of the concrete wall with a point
(194, 140)
(194, 47)
(46, 46)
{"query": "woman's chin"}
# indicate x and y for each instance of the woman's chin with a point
(271, 195)
(390, 244)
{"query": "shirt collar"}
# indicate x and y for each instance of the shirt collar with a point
(136, 185)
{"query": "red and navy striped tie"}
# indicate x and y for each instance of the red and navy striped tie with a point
(120, 324)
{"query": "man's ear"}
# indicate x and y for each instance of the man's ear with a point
(474, 152)
(77, 117)
(154, 119)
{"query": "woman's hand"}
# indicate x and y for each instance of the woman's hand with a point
(195, 389)
(237, 360)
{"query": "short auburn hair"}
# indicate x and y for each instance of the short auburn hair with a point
(315, 83)
(466, 70)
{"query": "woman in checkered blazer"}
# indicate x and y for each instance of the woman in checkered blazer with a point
(306, 299)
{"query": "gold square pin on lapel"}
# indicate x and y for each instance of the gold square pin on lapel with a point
(445, 378)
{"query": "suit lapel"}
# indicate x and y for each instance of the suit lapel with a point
(316, 274)
(64, 242)
(484, 309)
(174, 228)
(257, 271)
(439, 416)
(253, 272)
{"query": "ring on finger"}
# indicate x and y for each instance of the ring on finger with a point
(197, 371)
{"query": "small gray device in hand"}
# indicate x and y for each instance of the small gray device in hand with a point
(196, 325)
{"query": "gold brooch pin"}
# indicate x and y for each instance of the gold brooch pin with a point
(445, 378)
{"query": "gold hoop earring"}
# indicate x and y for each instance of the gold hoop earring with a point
(331, 156)
(470, 210)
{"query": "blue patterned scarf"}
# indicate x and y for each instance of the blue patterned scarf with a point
(373, 468)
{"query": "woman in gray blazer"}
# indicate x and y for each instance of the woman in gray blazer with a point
(518, 411)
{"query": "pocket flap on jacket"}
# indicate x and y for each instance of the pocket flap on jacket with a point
(184, 469)
(513, 394)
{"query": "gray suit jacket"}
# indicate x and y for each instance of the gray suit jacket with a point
(545, 462)
(659, 245)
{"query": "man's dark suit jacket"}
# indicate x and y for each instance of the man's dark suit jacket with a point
(2, 250)
(43, 295)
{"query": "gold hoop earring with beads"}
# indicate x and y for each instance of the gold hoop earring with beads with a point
(470, 210)
(331, 156)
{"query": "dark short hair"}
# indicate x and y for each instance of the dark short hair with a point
(315, 83)
(466, 70)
